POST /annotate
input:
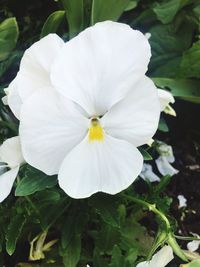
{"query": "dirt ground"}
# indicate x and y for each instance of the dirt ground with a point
(184, 136)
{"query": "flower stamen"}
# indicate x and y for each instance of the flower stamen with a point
(95, 131)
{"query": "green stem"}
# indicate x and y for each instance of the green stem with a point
(170, 237)
(187, 238)
(151, 207)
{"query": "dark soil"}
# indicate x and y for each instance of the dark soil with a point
(184, 136)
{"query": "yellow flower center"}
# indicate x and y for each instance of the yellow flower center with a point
(95, 131)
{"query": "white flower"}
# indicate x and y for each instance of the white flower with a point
(148, 174)
(166, 157)
(182, 201)
(10, 157)
(160, 259)
(34, 72)
(193, 245)
(165, 99)
(91, 108)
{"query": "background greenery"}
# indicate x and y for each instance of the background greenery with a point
(38, 222)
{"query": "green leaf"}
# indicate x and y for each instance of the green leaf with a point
(117, 259)
(165, 180)
(75, 16)
(8, 37)
(194, 263)
(98, 260)
(107, 10)
(145, 154)
(168, 45)
(73, 226)
(135, 236)
(71, 255)
(107, 237)
(131, 256)
(132, 4)
(163, 126)
(190, 64)
(8, 62)
(167, 10)
(53, 22)
(13, 232)
(186, 89)
(107, 207)
(33, 181)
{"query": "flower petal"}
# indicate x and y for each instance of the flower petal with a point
(98, 67)
(13, 98)
(147, 173)
(109, 166)
(160, 259)
(6, 182)
(36, 64)
(182, 201)
(49, 128)
(164, 167)
(165, 98)
(193, 245)
(10, 152)
(136, 117)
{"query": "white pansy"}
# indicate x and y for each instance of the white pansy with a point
(34, 72)
(11, 158)
(166, 98)
(193, 245)
(86, 122)
(163, 161)
(160, 259)
(147, 173)
(182, 201)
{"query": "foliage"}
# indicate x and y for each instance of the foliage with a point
(107, 231)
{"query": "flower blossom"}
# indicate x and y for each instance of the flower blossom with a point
(165, 159)
(147, 173)
(160, 259)
(10, 157)
(85, 107)
(182, 201)
(166, 98)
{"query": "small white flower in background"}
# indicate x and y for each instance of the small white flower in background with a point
(10, 157)
(147, 173)
(182, 201)
(194, 245)
(160, 259)
(85, 107)
(165, 99)
(166, 157)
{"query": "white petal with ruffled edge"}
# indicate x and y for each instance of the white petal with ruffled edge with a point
(13, 98)
(36, 64)
(165, 98)
(98, 67)
(109, 166)
(6, 182)
(50, 127)
(160, 259)
(136, 117)
(164, 167)
(10, 152)
(147, 173)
